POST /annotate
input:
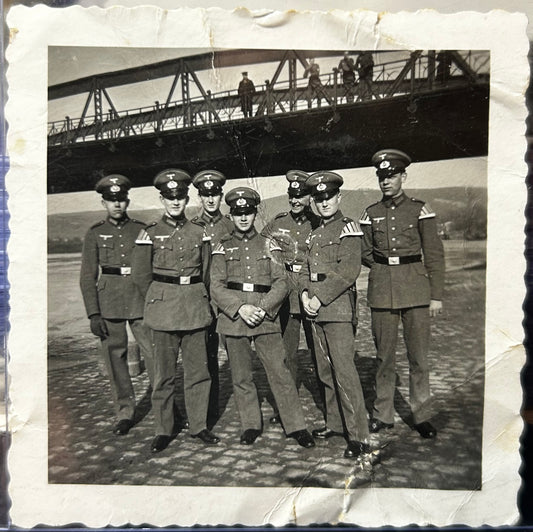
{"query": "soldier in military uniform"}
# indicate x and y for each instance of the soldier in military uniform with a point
(406, 260)
(209, 184)
(111, 299)
(168, 267)
(249, 287)
(327, 285)
(289, 231)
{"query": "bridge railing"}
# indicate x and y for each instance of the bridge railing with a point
(392, 78)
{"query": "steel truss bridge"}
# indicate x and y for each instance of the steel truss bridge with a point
(196, 128)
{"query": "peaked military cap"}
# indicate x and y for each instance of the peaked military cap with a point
(113, 187)
(324, 185)
(209, 182)
(172, 183)
(297, 183)
(389, 162)
(243, 200)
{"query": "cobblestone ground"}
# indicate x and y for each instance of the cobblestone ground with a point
(83, 449)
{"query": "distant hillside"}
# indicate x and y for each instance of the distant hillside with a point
(465, 208)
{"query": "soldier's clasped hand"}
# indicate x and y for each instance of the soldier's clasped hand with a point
(435, 308)
(252, 315)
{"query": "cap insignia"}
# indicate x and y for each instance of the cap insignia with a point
(384, 164)
(172, 184)
(295, 184)
(114, 188)
(321, 186)
(241, 202)
(208, 184)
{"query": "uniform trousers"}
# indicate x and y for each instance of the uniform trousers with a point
(416, 329)
(196, 379)
(115, 354)
(213, 340)
(271, 353)
(335, 350)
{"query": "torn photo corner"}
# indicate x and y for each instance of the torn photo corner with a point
(136, 91)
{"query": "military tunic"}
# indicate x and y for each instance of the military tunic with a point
(290, 233)
(405, 255)
(167, 267)
(215, 227)
(243, 272)
(333, 265)
(107, 288)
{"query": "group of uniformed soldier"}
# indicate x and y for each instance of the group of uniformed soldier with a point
(193, 284)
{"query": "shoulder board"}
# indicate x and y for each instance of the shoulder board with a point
(218, 250)
(417, 200)
(135, 221)
(426, 212)
(280, 215)
(347, 220)
(364, 219)
(225, 237)
(228, 217)
(151, 224)
(198, 221)
(351, 229)
(101, 222)
(143, 238)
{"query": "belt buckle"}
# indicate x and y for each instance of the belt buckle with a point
(125, 270)
(296, 268)
(185, 279)
(314, 276)
(247, 287)
(393, 261)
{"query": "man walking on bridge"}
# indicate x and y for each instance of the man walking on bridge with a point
(246, 91)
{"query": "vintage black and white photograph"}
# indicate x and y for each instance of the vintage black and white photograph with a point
(235, 377)
(273, 268)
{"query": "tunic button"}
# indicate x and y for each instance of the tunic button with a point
(393, 207)
(122, 255)
(246, 240)
(120, 236)
(394, 228)
(393, 239)
(247, 258)
(392, 218)
(245, 249)
(248, 267)
(297, 232)
(393, 249)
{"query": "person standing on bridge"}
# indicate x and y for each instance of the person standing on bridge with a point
(288, 232)
(406, 260)
(249, 287)
(169, 266)
(347, 68)
(111, 299)
(246, 92)
(365, 69)
(327, 286)
(215, 225)
(314, 87)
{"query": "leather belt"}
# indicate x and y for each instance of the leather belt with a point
(115, 270)
(296, 268)
(395, 261)
(182, 279)
(317, 277)
(249, 287)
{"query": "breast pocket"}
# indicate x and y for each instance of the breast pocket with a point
(263, 266)
(379, 236)
(164, 254)
(106, 251)
(330, 251)
(233, 264)
(410, 237)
